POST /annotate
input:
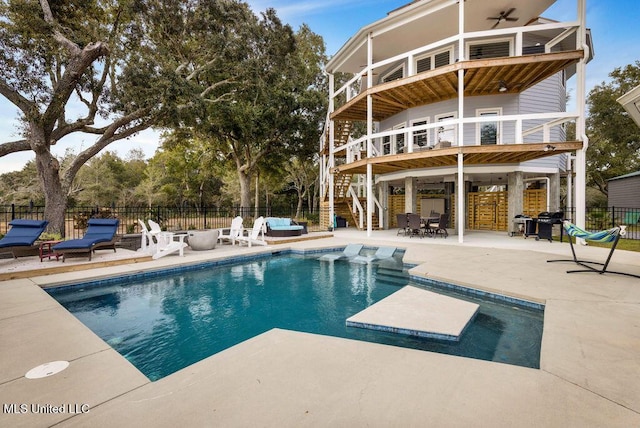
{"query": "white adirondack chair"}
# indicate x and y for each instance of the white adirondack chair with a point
(231, 234)
(256, 234)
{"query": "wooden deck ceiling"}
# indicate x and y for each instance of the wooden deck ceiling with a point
(448, 157)
(481, 77)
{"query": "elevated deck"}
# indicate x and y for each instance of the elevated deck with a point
(448, 157)
(481, 77)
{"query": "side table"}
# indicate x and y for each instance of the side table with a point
(46, 251)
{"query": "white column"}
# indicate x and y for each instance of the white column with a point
(332, 162)
(369, 184)
(580, 165)
(460, 191)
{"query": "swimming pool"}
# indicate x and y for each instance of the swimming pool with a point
(165, 321)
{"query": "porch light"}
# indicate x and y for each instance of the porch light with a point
(503, 86)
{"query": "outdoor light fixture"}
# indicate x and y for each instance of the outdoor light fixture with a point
(503, 86)
(549, 148)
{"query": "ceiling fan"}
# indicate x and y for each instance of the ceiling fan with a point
(504, 16)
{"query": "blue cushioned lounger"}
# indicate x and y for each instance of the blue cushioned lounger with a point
(22, 235)
(101, 233)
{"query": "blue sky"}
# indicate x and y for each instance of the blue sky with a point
(613, 25)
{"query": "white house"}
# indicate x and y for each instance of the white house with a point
(457, 107)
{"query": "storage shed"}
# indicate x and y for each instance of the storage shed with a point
(624, 191)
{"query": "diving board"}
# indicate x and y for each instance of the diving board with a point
(415, 311)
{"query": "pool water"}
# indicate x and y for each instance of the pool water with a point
(164, 323)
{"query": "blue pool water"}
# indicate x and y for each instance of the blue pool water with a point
(166, 322)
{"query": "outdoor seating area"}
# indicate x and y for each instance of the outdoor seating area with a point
(410, 224)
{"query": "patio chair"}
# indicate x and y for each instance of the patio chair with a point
(440, 227)
(610, 235)
(169, 243)
(403, 224)
(231, 235)
(381, 254)
(415, 225)
(21, 237)
(100, 234)
(148, 244)
(351, 250)
(255, 235)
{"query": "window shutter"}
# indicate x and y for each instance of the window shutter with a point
(442, 59)
(423, 64)
(489, 50)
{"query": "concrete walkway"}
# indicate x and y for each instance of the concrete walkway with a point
(589, 375)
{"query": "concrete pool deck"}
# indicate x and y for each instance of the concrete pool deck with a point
(589, 371)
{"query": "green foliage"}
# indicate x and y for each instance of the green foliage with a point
(614, 139)
(46, 236)
(81, 220)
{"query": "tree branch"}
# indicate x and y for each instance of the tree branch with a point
(60, 38)
(109, 135)
(16, 98)
(14, 147)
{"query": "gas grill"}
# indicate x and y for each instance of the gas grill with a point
(545, 222)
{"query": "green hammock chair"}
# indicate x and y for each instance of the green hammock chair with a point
(604, 236)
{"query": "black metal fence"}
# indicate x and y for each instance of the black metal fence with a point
(172, 218)
(169, 218)
(602, 218)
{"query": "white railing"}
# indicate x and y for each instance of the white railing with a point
(356, 206)
(552, 119)
(569, 29)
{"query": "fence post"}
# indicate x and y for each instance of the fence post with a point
(204, 214)
(13, 211)
(613, 217)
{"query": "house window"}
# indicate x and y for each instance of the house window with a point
(446, 134)
(420, 138)
(399, 140)
(489, 49)
(386, 145)
(488, 132)
(434, 60)
(395, 74)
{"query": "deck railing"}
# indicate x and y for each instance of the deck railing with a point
(169, 218)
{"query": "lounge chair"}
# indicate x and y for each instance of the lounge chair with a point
(21, 237)
(255, 235)
(100, 234)
(610, 235)
(351, 250)
(231, 235)
(380, 254)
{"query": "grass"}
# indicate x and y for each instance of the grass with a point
(623, 244)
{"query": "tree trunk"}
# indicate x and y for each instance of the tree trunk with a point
(257, 197)
(55, 196)
(300, 200)
(245, 192)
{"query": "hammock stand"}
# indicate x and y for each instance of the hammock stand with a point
(610, 235)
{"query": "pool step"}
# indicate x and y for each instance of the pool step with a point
(392, 276)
